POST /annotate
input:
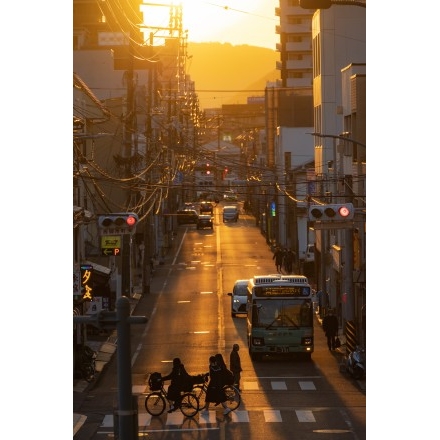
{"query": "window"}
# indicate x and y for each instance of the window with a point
(293, 74)
(294, 56)
(293, 19)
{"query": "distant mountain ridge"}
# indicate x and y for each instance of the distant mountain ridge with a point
(221, 69)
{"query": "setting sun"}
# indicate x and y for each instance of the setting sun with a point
(237, 22)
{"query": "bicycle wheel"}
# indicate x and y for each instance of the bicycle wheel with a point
(189, 405)
(233, 397)
(200, 393)
(155, 404)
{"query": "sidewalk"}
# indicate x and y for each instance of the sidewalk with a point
(105, 350)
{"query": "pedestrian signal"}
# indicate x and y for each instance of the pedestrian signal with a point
(343, 211)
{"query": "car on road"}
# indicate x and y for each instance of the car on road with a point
(206, 207)
(205, 221)
(230, 196)
(230, 213)
(239, 297)
(187, 216)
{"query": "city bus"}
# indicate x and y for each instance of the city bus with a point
(279, 315)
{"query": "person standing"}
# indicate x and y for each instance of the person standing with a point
(330, 325)
(278, 257)
(288, 261)
(235, 365)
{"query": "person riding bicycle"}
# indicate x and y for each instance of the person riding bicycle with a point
(215, 392)
(178, 378)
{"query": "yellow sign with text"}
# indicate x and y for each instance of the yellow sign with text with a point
(111, 241)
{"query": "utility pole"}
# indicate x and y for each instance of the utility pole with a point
(148, 245)
(128, 135)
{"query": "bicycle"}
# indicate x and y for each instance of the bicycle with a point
(233, 396)
(86, 362)
(156, 401)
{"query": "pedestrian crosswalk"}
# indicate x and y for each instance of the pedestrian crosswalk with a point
(238, 416)
(145, 420)
(260, 384)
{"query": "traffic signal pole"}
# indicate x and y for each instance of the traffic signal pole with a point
(125, 411)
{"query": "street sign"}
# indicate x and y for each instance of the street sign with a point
(111, 251)
(111, 241)
(111, 245)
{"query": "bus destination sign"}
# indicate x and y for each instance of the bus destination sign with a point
(282, 291)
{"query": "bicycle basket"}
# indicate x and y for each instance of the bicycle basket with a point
(155, 381)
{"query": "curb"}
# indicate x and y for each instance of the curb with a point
(78, 421)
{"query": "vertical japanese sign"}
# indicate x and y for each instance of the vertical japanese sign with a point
(86, 282)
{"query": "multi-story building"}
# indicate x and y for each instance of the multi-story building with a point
(295, 46)
(339, 56)
(289, 117)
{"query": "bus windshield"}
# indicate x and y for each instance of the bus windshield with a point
(275, 313)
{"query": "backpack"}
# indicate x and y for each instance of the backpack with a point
(155, 381)
(228, 377)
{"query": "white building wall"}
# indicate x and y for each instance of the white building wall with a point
(296, 141)
(341, 35)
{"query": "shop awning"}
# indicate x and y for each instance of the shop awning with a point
(98, 268)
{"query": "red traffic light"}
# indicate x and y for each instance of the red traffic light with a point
(344, 211)
(117, 223)
(131, 221)
(332, 212)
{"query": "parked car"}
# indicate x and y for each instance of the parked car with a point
(205, 221)
(230, 214)
(239, 297)
(206, 207)
(187, 216)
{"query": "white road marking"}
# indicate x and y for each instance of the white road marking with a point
(305, 416)
(278, 385)
(272, 415)
(307, 385)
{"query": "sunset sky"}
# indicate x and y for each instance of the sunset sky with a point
(238, 22)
